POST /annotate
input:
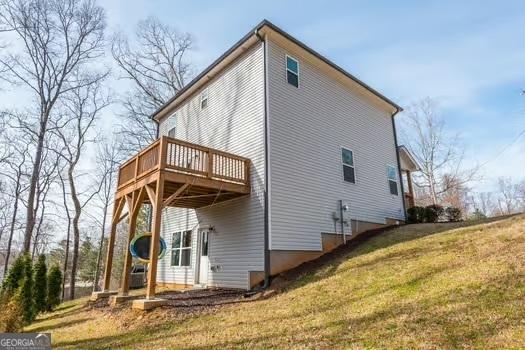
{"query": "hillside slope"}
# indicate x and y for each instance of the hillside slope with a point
(417, 286)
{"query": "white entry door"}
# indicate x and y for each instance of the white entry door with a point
(204, 264)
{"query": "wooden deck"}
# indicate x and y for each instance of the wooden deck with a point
(171, 173)
(203, 175)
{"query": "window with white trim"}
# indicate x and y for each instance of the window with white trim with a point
(172, 121)
(204, 99)
(181, 249)
(392, 180)
(347, 158)
(292, 71)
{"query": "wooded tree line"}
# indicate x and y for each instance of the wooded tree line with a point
(58, 161)
(60, 149)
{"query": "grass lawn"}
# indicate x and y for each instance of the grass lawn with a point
(427, 286)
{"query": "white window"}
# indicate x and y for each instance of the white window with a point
(204, 99)
(181, 249)
(172, 123)
(292, 71)
(347, 158)
(392, 180)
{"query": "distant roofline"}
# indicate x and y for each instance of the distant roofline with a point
(410, 156)
(273, 27)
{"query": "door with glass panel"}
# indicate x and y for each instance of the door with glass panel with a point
(204, 264)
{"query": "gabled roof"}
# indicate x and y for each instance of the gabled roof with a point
(408, 162)
(242, 45)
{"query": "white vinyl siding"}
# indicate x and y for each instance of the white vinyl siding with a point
(308, 127)
(234, 123)
(176, 220)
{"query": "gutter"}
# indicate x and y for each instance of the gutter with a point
(400, 174)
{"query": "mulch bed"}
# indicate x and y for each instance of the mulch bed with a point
(202, 299)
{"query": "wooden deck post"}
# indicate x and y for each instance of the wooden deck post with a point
(210, 164)
(163, 152)
(411, 201)
(155, 237)
(117, 209)
(132, 217)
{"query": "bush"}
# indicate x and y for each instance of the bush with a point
(14, 276)
(453, 214)
(11, 317)
(27, 291)
(433, 212)
(477, 215)
(54, 286)
(415, 215)
(40, 280)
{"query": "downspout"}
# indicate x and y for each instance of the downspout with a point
(266, 170)
(400, 174)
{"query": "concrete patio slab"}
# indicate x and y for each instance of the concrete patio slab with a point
(148, 304)
(119, 299)
(101, 295)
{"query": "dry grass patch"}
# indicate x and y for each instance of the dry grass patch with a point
(418, 286)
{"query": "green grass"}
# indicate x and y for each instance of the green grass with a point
(419, 286)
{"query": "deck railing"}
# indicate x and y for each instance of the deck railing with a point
(184, 157)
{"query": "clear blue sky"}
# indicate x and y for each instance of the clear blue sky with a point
(469, 56)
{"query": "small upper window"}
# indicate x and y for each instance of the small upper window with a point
(392, 180)
(347, 158)
(172, 123)
(292, 71)
(181, 249)
(204, 99)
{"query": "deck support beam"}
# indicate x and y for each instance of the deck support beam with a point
(134, 205)
(117, 209)
(175, 195)
(155, 236)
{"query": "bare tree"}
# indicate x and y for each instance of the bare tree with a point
(108, 158)
(48, 176)
(484, 202)
(521, 196)
(59, 38)
(509, 195)
(440, 155)
(156, 65)
(84, 106)
(15, 172)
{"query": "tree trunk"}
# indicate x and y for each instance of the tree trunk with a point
(30, 215)
(99, 255)
(76, 232)
(12, 228)
(37, 234)
(66, 258)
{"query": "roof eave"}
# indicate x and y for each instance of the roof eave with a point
(248, 39)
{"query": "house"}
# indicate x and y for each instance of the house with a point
(270, 157)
